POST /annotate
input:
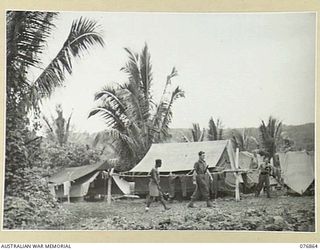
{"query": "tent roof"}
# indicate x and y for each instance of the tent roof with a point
(181, 156)
(297, 170)
(71, 174)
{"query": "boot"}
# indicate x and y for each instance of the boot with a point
(191, 205)
(209, 204)
(164, 204)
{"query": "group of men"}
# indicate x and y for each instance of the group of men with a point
(201, 180)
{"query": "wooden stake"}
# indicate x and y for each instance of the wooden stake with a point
(237, 176)
(109, 187)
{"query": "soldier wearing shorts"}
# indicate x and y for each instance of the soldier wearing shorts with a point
(154, 187)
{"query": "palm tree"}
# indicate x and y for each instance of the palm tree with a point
(132, 117)
(196, 132)
(58, 129)
(242, 140)
(270, 135)
(27, 32)
(215, 130)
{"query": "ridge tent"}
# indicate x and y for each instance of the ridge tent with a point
(78, 182)
(177, 165)
(297, 169)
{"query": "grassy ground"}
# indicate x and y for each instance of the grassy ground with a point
(280, 213)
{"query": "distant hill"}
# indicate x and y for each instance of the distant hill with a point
(302, 135)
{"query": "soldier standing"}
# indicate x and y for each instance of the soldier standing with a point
(201, 176)
(265, 170)
(154, 186)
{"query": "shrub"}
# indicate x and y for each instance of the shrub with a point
(55, 157)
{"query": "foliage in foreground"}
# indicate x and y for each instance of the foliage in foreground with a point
(27, 201)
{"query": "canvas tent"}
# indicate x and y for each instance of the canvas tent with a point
(77, 182)
(297, 170)
(177, 164)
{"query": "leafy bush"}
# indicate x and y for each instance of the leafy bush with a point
(28, 203)
(33, 214)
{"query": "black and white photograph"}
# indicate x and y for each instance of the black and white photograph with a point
(153, 121)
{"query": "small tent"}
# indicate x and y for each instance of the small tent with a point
(177, 165)
(297, 170)
(78, 182)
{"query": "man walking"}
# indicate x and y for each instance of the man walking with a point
(201, 176)
(154, 186)
(265, 170)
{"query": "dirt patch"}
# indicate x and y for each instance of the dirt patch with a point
(282, 213)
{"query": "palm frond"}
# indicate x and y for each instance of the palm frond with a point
(83, 35)
(27, 32)
(47, 123)
(176, 94)
(270, 135)
(197, 133)
(112, 97)
(213, 130)
(146, 72)
(132, 67)
(111, 117)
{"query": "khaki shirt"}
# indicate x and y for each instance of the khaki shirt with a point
(265, 168)
(200, 167)
(155, 177)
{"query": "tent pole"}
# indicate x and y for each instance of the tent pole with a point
(109, 187)
(69, 187)
(105, 185)
(237, 176)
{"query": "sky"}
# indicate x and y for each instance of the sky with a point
(240, 68)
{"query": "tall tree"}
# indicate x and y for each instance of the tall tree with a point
(59, 128)
(132, 117)
(270, 135)
(243, 140)
(27, 33)
(197, 133)
(215, 130)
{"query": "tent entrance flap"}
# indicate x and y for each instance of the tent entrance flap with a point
(124, 186)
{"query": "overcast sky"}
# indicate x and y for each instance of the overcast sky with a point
(240, 68)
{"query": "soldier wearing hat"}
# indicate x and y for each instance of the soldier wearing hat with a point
(154, 186)
(201, 176)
